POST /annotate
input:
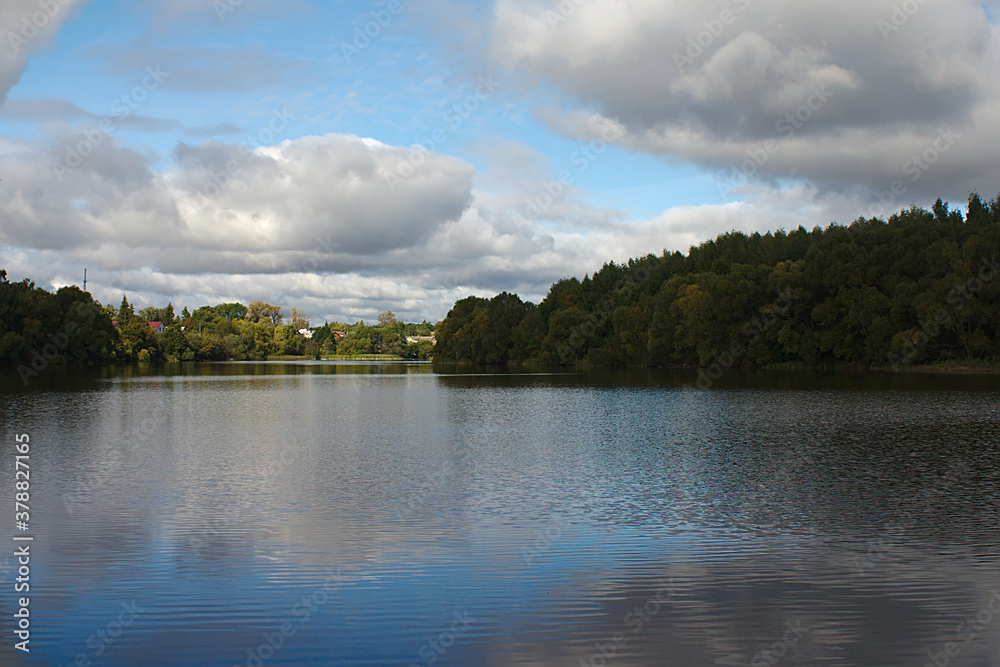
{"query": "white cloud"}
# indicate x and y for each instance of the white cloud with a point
(25, 27)
(312, 224)
(304, 220)
(274, 200)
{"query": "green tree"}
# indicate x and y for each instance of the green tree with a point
(231, 311)
(125, 311)
(921, 285)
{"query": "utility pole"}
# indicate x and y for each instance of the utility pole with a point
(85, 279)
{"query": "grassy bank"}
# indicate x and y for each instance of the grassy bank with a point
(337, 357)
(363, 357)
(957, 366)
(950, 366)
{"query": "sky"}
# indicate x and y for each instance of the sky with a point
(345, 158)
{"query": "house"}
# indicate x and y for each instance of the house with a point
(158, 327)
(337, 335)
(306, 333)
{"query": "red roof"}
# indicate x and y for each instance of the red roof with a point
(154, 325)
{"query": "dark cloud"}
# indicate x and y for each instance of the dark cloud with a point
(867, 87)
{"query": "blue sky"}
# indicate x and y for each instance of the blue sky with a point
(398, 89)
(507, 96)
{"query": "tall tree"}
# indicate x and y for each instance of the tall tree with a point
(125, 311)
(386, 318)
(258, 311)
(298, 320)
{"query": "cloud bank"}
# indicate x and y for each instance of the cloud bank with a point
(843, 95)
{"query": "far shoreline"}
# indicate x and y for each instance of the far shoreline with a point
(953, 368)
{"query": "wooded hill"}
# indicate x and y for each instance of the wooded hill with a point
(921, 287)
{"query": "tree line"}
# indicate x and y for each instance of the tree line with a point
(920, 287)
(39, 328)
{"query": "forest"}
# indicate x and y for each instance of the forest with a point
(918, 288)
(39, 328)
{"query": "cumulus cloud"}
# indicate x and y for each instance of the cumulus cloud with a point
(331, 190)
(342, 226)
(337, 220)
(312, 223)
(843, 95)
(25, 27)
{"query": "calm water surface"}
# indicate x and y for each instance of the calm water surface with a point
(339, 514)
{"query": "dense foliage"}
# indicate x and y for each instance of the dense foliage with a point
(921, 287)
(39, 329)
(220, 333)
